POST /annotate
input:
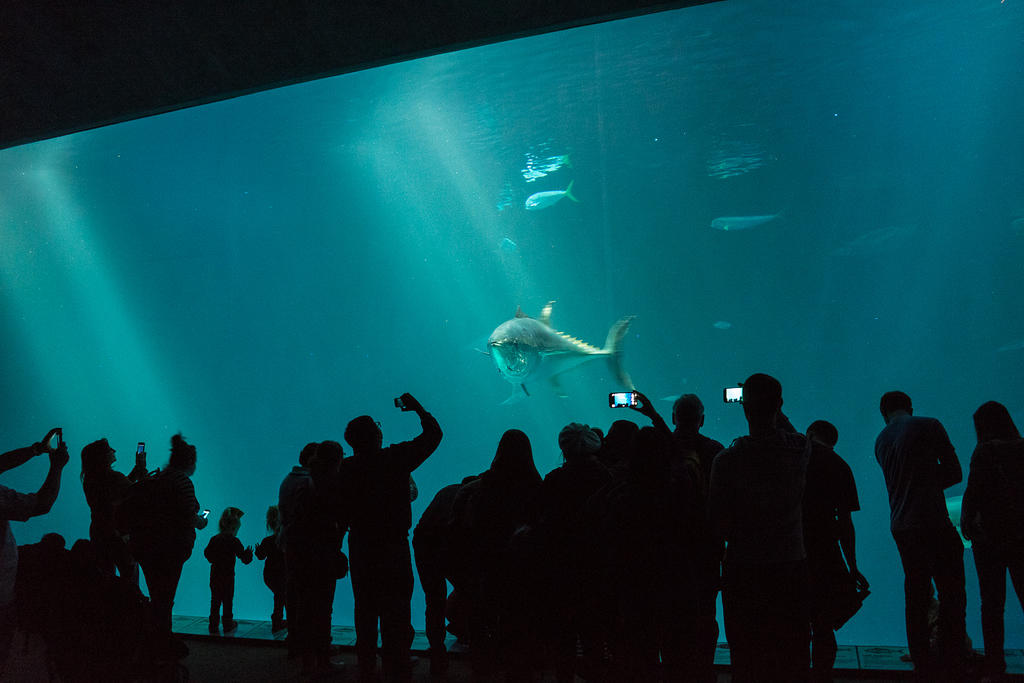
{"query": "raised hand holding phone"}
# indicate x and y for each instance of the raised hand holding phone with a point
(53, 439)
(406, 402)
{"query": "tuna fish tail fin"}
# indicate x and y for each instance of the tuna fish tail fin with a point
(613, 347)
(569, 194)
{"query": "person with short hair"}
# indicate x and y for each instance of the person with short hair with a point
(830, 496)
(431, 552)
(375, 490)
(992, 517)
(755, 504)
(691, 459)
(919, 463)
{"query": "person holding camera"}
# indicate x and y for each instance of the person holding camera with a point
(375, 490)
(104, 489)
(164, 534)
(21, 507)
(755, 503)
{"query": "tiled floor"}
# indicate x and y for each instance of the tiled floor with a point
(849, 657)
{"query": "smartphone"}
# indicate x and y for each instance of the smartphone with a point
(56, 440)
(400, 404)
(140, 453)
(206, 513)
(623, 399)
(733, 394)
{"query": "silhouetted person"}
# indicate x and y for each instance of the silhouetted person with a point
(992, 517)
(830, 496)
(486, 515)
(104, 488)
(275, 574)
(375, 485)
(312, 536)
(755, 500)
(680, 613)
(563, 493)
(918, 462)
(617, 447)
(296, 505)
(222, 551)
(637, 520)
(432, 554)
(20, 507)
(162, 539)
(693, 454)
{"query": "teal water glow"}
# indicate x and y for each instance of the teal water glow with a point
(257, 272)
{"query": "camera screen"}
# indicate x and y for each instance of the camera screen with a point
(622, 399)
(734, 395)
(141, 449)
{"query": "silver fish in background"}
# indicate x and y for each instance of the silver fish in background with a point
(732, 223)
(872, 241)
(542, 200)
(526, 349)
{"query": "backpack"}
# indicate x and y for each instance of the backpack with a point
(138, 504)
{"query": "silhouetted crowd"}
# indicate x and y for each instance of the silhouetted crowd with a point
(609, 567)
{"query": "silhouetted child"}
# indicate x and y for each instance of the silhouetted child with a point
(221, 551)
(274, 574)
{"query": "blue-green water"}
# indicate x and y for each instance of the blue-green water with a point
(257, 272)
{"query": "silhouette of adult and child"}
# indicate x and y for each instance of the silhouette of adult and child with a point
(608, 567)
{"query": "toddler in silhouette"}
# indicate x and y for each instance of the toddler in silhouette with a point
(274, 570)
(221, 551)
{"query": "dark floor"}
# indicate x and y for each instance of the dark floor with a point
(210, 661)
(253, 653)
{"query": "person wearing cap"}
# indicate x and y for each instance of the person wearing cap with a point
(563, 494)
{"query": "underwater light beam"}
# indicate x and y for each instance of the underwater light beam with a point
(93, 316)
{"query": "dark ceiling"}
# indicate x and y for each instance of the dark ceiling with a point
(71, 65)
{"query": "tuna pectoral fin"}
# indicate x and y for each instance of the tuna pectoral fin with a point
(613, 346)
(516, 396)
(569, 194)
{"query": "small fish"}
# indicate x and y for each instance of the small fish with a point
(508, 246)
(542, 200)
(731, 223)
(1012, 346)
(722, 325)
(872, 241)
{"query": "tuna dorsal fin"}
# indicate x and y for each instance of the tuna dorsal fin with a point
(545, 313)
(519, 312)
